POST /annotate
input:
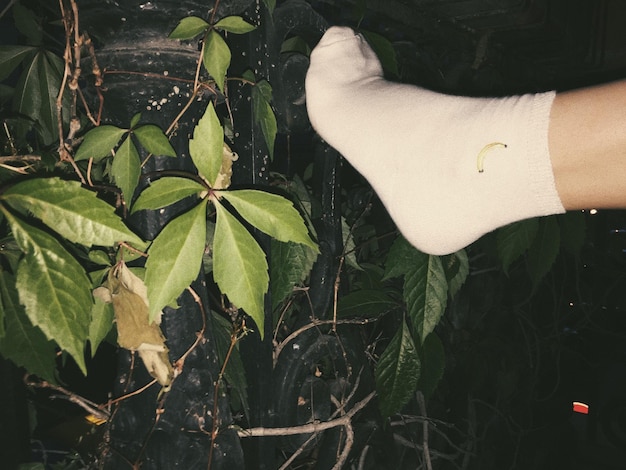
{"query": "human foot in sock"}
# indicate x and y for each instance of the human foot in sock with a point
(448, 169)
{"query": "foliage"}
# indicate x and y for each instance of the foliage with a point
(72, 271)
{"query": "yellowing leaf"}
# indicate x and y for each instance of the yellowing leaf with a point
(134, 330)
(226, 170)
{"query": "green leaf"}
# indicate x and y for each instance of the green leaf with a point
(365, 304)
(290, 264)
(216, 58)
(235, 24)
(514, 239)
(135, 120)
(36, 93)
(426, 294)
(384, 50)
(11, 57)
(71, 210)
(99, 142)
(126, 168)
(166, 191)
(207, 145)
(264, 114)
(153, 139)
(101, 323)
(189, 28)
(239, 266)
(174, 258)
(400, 259)
(456, 266)
(24, 344)
(573, 231)
(270, 4)
(54, 289)
(544, 249)
(270, 213)
(27, 23)
(433, 361)
(397, 372)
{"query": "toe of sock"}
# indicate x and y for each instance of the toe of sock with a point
(335, 34)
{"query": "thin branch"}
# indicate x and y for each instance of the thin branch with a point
(84, 403)
(422, 404)
(308, 428)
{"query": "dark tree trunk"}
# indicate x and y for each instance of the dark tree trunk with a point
(173, 431)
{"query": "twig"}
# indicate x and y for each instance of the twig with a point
(422, 405)
(314, 324)
(308, 428)
(11, 3)
(84, 403)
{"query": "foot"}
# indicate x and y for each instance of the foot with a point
(448, 169)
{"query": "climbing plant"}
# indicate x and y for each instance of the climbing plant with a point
(75, 272)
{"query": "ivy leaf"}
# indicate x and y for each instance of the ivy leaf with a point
(99, 142)
(397, 372)
(264, 114)
(189, 28)
(290, 264)
(22, 343)
(154, 140)
(101, 323)
(544, 249)
(174, 258)
(166, 191)
(216, 57)
(206, 147)
(365, 304)
(514, 239)
(433, 361)
(36, 93)
(71, 210)
(426, 294)
(239, 266)
(12, 56)
(126, 168)
(54, 289)
(235, 24)
(271, 214)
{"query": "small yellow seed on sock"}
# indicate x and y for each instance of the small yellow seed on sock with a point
(483, 153)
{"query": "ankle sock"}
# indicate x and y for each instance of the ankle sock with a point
(448, 169)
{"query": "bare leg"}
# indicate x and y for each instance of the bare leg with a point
(587, 141)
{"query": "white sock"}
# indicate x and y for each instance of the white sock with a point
(421, 151)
